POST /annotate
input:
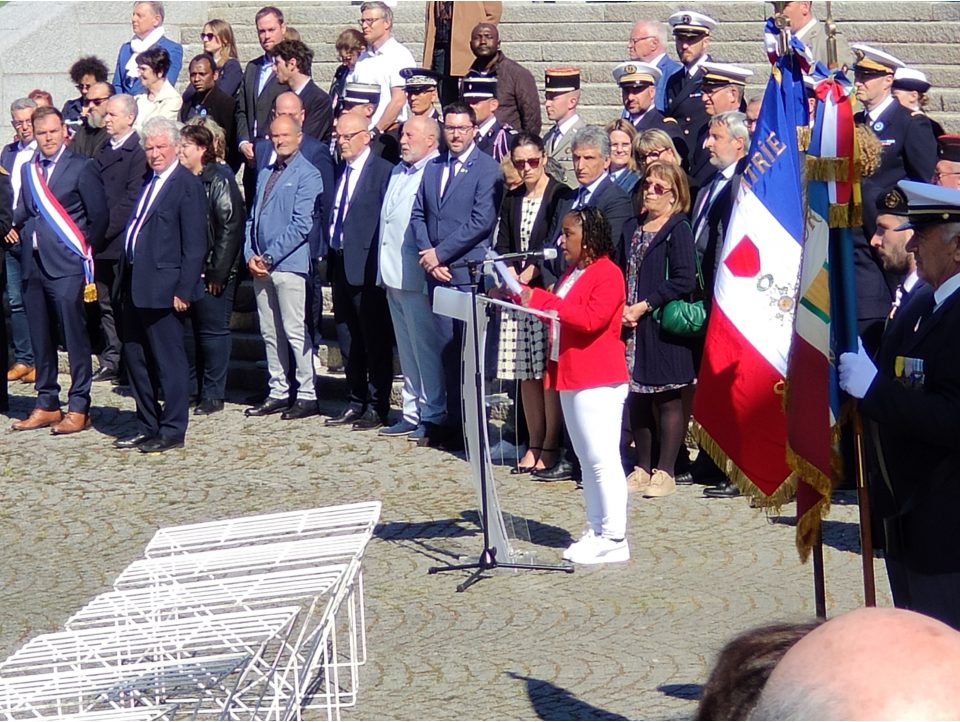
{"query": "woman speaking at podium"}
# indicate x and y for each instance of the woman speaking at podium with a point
(588, 367)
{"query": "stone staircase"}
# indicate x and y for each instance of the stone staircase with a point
(592, 36)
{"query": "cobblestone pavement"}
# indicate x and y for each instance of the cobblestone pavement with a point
(633, 640)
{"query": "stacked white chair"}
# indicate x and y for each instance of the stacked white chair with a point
(251, 618)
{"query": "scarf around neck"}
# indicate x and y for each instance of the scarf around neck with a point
(138, 46)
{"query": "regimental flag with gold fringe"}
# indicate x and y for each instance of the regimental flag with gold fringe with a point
(825, 308)
(738, 407)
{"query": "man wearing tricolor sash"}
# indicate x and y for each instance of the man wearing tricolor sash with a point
(61, 216)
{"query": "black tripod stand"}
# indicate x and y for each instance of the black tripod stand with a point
(488, 557)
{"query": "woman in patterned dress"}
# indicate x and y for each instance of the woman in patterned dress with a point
(659, 263)
(524, 223)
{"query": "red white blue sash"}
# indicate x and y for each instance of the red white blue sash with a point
(61, 222)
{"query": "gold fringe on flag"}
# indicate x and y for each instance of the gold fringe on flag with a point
(803, 137)
(808, 525)
(827, 169)
(784, 493)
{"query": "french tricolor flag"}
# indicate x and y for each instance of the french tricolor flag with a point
(739, 403)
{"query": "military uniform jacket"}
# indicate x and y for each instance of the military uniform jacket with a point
(562, 155)
(909, 151)
(496, 141)
(916, 408)
(684, 105)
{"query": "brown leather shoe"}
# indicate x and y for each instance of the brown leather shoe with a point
(18, 371)
(38, 419)
(73, 421)
(30, 377)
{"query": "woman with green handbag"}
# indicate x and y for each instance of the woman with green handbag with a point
(658, 259)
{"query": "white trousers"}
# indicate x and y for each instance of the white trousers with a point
(593, 418)
(281, 306)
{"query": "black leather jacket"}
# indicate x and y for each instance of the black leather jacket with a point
(226, 221)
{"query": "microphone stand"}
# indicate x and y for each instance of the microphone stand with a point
(488, 556)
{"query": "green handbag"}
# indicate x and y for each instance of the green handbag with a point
(683, 317)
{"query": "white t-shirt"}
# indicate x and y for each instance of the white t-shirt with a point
(382, 67)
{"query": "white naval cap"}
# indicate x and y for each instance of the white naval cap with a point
(871, 59)
(633, 73)
(724, 74)
(910, 79)
(928, 203)
(688, 22)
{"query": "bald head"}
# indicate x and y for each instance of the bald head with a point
(868, 664)
(352, 135)
(288, 104)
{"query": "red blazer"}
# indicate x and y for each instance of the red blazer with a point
(591, 352)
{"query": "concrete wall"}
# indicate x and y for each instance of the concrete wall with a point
(40, 40)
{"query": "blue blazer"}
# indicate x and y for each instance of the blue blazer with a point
(132, 86)
(76, 183)
(459, 226)
(282, 224)
(361, 225)
(321, 158)
(668, 66)
(172, 244)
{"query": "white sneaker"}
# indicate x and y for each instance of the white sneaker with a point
(585, 540)
(602, 551)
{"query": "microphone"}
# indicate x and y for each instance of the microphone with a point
(544, 254)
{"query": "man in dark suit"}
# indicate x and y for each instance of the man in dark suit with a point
(453, 219)
(691, 31)
(204, 98)
(728, 140)
(912, 396)
(361, 98)
(591, 159)
(648, 44)
(257, 92)
(722, 92)
(123, 167)
(164, 249)
(909, 151)
(277, 252)
(358, 302)
(293, 61)
(318, 154)
(12, 158)
(57, 268)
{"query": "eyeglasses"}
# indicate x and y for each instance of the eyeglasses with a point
(83, 86)
(522, 163)
(457, 128)
(207, 36)
(658, 189)
(654, 154)
(636, 41)
(938, 175)
(95, 101)
(865, 76)
(418, 90)
(368, 21)
(349, 136)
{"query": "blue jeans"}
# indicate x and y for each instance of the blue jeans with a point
(208, 342)
(424, 395)
(19, 328)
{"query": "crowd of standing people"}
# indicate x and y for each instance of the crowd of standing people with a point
(127, 201)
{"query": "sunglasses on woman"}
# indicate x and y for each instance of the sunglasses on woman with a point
(658, 189)
(205, 37)
(526, 162)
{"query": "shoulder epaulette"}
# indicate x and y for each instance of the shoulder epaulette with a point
(668, 119)
(4, 171)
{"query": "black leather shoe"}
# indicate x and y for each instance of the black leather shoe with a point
(160, 444)
(561, 471)
(131, 442)
(269, 406)
(684, 477)
(300, 410)
(370, 419)
(208, 406)
(347, 417)
(104, 373)
(726, 490)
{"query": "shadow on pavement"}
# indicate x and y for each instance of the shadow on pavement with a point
(551, 702)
